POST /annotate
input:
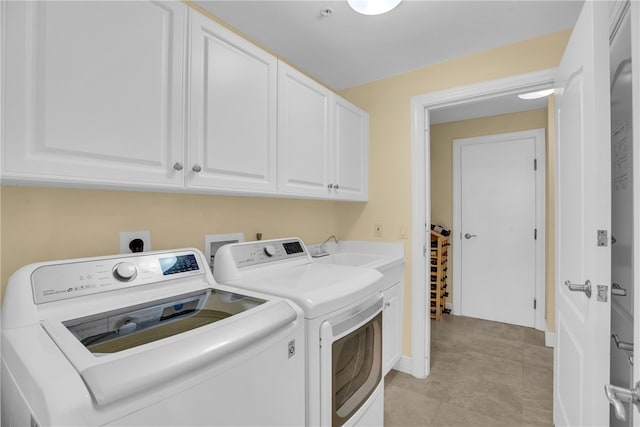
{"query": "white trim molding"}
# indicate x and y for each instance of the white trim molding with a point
(420, 189)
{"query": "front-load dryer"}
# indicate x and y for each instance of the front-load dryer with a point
(147, 339)
(343, 313)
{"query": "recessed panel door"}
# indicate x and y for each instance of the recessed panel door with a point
(583, 223)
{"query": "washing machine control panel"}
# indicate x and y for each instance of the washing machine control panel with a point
(254, 253)
(74, 279)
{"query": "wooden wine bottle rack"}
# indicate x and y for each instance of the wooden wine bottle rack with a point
(438, 275)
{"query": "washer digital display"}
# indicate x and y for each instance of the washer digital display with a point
(178, 264)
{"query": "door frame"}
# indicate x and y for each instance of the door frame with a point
(539, 268)
(421, 193)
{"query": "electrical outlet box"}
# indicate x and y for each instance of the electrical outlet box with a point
(127, 236)
(213, 242)
(377, 230)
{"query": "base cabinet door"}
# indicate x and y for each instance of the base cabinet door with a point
(391, 327)
(233, 111)
(94, 93)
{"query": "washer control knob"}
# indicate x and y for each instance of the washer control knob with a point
(269, 250)
(125, 271)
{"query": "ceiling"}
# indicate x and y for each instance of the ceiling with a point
(346, 49)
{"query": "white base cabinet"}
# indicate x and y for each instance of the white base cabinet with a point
(154, 95)
(393, 289)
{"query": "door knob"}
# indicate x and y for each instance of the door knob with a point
(586, 288)
(468, 236)
(196, 168)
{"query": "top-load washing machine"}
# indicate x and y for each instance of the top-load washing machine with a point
(343, 312)
(147, 339)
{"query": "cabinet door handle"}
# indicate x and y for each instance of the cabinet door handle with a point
(178, 166)
(196, 168)
(330, 186)
(336, 186)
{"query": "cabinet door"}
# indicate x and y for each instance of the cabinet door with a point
(233, 111)
(94, 92)
(351, 151)
(303, 134)
(392, 327)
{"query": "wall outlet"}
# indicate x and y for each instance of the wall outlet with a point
(402, 232)
(127, 236)
(377, 230)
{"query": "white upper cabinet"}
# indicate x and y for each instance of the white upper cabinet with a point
(322, 140)
(233, 96)
(155, 95)
(350, 151)
(94, 92)
(303, 134)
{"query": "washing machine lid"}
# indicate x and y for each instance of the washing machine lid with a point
(117, 330)
(317, 288)
(170, 339)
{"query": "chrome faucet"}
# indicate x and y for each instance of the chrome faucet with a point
(322, 250)
(329, 238)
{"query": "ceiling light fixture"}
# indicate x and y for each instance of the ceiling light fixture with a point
(536, 94)
(373, 7)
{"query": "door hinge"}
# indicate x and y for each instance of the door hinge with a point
(535, 303)
(535, 164)
(535, 234)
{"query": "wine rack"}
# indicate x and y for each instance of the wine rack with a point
(438, 275)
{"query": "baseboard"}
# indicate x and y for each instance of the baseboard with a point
(550, 339)
(403, 365)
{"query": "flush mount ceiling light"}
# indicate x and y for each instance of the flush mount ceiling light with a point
(373, 7)
(536, 94)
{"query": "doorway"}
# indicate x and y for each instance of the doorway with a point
(498, 207)
(421, 107)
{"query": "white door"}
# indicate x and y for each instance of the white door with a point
(583, 211)
(497, 240)
(233, 111)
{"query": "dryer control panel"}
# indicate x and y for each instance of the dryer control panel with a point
(262, 252)
(74, 279)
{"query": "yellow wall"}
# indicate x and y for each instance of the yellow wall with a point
(388, 102)
(442, 137)
(40, 224)
(44, 224)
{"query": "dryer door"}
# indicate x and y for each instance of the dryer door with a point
(355, 360)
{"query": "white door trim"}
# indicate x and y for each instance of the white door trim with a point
(539, 135)
(421, 196)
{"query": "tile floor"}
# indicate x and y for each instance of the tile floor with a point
(482, 374)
